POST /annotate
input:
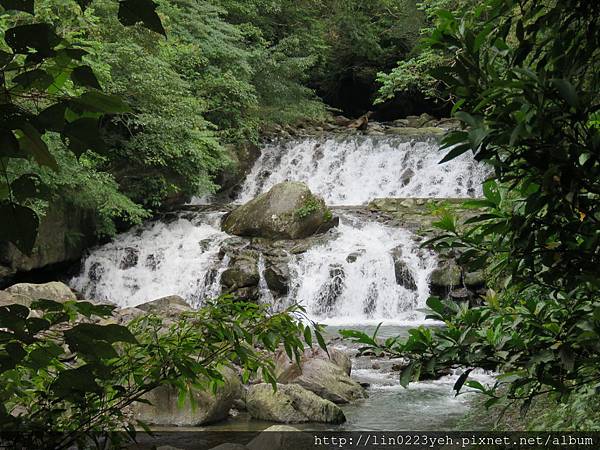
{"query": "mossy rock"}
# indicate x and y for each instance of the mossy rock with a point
(287, 211)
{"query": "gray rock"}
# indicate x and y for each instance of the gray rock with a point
(126, 315)
(282, 437)
(242, 272)
(172, 304)
(209, 408)
(277, 276)
(291, 403)
(326, 379)
(474, 279)
(404, 276)
(446, 275)
(6, 298)
(406, 176)
(54, 290)
(286, 369)
(287, 211)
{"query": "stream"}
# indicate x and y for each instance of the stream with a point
(347, 279)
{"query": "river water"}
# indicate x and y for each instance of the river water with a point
(346, 281)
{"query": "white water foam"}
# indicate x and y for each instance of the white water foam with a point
(352, 278)
(353, 170)
(162, 259)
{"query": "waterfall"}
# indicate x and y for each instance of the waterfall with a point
(368, 273)
(156, 260)
(361, 272)
(352, 170)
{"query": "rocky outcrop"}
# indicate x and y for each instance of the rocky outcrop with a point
(282, 437)
(64, 233)
(291, 403)
(328, 376)
(209, 407)
(167, 306)
(54, 290)
(287, 211)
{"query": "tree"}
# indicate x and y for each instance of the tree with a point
(68, 372)
(524, 78)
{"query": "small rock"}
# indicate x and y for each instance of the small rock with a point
(172, 304)
(375, 366)
(406, 176)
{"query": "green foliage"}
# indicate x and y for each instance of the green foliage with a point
(413, 73)
(516, 67)
(69, 365)
(309, 207)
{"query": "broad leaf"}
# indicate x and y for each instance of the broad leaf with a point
(144, 11)
(19, 225)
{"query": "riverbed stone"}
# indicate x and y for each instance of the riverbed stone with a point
(324, 378)
(277, 276)
(54, 290)
(446, 275)
(172, 304)
(210, 407)
(288, 210)
(6, 298)
(242, 273)
(404, 276)
(291, 403)
(286, 369)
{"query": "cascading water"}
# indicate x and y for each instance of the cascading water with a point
(368, 273)
(174, 258)
(364, 272)
(352, 170)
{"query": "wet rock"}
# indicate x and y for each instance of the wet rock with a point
(242, 272)
(277, 276)
(404, 276)
(172, 304)
(331, 291)
(209, 407)
(126, 315)
(460, 294)
(54, 290)
(352, 257)
(129, 259)
(287, 211)
(474, 279)
(291, 403)
(446, 275)
(406, 176)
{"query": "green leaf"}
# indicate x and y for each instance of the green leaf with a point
(132, 12)
(84, 134)
(321, 341)
(308, 335)
(461, 380)
(33, 144)
(19, 225)
(406, 374)
(19, 5)
(84, 76)
(98, 102)
(74, 383)
(491, 192)
(455, 152)
(109, 333)
(29, 186)
(9, 146)
(567, 91)
(34, 79)
(52, 118)
(37, 36)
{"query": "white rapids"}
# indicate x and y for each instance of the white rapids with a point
(353, 170)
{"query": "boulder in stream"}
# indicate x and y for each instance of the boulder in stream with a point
(209, 407)
(288, 210)
(291, 403)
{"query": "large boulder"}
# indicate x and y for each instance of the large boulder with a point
(286, 369)
(448, 274)
(6, 298)
(328, 378)
(290, 404)
(54, 290)
(209, 407)
(287, 211)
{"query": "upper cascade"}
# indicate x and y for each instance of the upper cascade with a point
(355, 169)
